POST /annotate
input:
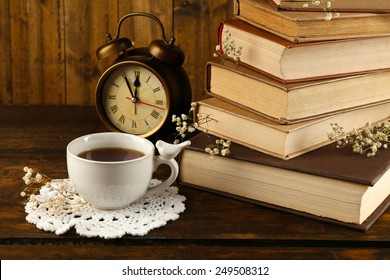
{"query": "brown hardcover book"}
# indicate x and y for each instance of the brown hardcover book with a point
(300, 26)
(372, 6)
(330, 184)
(289, 62)
(284, 141)
(293, 102)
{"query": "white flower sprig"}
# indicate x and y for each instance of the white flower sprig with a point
(367, 140)
(326, 5)
(185, 124)
(31, 178)
(221, 147)
(52, 195)
(228, 48)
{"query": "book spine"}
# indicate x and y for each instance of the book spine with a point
(273, 4)
(219, 37)
(338, 6)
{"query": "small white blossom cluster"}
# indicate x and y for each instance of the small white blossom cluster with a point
(51, 195)
(367, 140)
(221, 147)
(228, 48)
(32, 177)
(185, 123)
(326, 6)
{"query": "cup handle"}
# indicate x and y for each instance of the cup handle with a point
(168, 152)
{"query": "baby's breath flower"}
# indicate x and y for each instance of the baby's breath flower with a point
(328, 16)
(191, 129)
(368, 140)
(326, 5)
(39, 178)
(221, 147)
(51, 195)
(186, 124)
(228, 48)
(27, 180)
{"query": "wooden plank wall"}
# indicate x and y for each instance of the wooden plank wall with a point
(47, 47)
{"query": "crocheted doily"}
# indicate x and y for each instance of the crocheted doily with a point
(154, 210)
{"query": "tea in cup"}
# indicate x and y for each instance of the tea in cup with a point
(112, 169)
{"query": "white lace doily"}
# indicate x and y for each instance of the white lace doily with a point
(154, 210)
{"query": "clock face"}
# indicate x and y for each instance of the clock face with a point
(135, 99)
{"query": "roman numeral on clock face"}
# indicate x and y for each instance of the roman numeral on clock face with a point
(122, 119)
(155, 114)
(114, 109)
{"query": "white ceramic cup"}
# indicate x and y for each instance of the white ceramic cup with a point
(116, 184)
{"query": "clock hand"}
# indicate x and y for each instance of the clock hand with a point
(148, 104)
(133, 97)
(137, 83)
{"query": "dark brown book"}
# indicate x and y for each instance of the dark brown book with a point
(304, 26)
(293, 102)
(292, 62)
(330, 184)
(353, 6)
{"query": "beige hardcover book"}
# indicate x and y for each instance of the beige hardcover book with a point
(291, 62)
(329, 184)
(282, 141)
(372, 6)
(294, 102)
(301, 26)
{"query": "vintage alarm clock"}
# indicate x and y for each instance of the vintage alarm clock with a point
(144, 87)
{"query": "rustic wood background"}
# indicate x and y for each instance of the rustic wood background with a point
(47, 47)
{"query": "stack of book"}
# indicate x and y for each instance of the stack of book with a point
(297, 73)
(282, 95)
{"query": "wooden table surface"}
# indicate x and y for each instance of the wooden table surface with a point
(212, 227)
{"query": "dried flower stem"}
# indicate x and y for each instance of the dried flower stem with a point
(326, 5)
(220, 147)
(33, 180)
(367, 140)
(228, 48)
(185, 124)
(52, 195)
